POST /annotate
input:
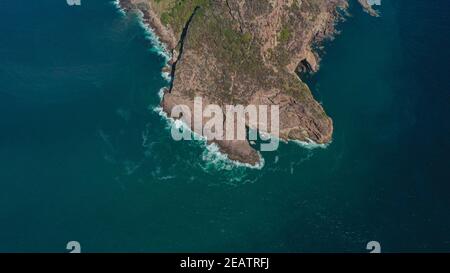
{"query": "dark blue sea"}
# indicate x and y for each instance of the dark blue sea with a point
(85, 155)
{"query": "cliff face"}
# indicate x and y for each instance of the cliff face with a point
(246, 52)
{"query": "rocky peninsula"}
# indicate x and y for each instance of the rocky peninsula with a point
(245, 52)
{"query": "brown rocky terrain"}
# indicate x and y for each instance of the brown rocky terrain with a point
(246, 52)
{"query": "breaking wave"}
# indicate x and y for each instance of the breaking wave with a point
(116, 4)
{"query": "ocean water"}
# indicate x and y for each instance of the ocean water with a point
(85, 156)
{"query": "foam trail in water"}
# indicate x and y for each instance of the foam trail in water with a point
(310, 145)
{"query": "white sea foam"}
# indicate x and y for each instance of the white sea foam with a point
(167, 177)
(166, 76)
(310, 144)
(161, 93)
(116, 4)
(159, 47)
(277, 158)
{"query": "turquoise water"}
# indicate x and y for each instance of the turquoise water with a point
(84, 155)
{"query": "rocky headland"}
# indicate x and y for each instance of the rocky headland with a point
(245, 52)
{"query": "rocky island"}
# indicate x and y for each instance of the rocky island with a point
(246, 52)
